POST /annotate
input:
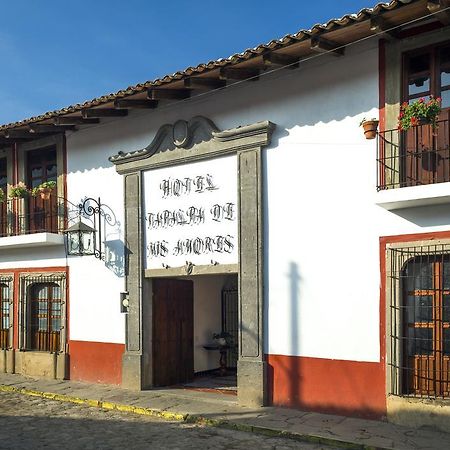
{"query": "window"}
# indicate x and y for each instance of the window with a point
(425, 151)
(45, 323)
(5, 318)
(420, 321)
(427, 72)
(41, 167)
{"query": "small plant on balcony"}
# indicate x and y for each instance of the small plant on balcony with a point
(2, 195)
(44, 189)
(18, 190)
(419, 112)
(370, 127)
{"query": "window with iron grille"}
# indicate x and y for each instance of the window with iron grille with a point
(419, 320)
(5, 313)
(42, 312)
(45, 317)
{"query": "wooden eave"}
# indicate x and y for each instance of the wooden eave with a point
(341, 32)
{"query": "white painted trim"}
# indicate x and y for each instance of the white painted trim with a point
(414, 196)
(31, 240)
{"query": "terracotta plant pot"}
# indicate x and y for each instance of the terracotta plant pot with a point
(370, 128)
(45, 193)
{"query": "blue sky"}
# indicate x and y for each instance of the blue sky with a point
(56, 53)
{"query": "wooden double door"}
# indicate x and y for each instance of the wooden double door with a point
(173, 332)
(427, 326)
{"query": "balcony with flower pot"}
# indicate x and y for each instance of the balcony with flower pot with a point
(413, 160)
(32, 217)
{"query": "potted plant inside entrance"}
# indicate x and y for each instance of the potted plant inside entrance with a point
(370, 127)
(222, 339)
(419, 112)
(18, 190)
(44, 189)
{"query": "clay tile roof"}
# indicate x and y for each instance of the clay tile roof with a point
(246, 55)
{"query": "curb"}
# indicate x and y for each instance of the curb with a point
(193, 418)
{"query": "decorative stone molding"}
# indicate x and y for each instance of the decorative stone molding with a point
(181, 143)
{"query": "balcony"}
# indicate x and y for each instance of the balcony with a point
(414, 166)
(33, 221)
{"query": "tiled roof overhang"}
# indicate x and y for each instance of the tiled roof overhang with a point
(340, 32)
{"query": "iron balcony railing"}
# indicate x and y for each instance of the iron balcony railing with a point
(29, 215)
(414, 157)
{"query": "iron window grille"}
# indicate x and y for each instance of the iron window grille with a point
(418, 299)
(42, 312)
(6, 311)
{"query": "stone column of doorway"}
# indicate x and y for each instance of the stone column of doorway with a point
(136, 361)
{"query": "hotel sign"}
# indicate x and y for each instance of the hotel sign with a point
(191, 214)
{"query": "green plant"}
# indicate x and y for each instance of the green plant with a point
(412, 114)
(367, 120)
(18, 190)
(2, 195)
(47, 185)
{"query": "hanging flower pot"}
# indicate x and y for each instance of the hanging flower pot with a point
(45, 193)
(420, 112)
(18, 190)
(370, 127)
(44, 190)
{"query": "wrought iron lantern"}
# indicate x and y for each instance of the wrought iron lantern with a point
(80, 239)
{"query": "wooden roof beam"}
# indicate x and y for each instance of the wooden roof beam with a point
(69, 120)
(321, 45)
(104, 112)
(204, 83)
(168, 94)
(279, 59)
(236, 73)
(440, 11)
(379, 25)
(141, 103)
(42, 128)
(18, 134)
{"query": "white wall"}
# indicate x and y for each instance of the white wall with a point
(94, 286)
(207, 319)
(322, 225)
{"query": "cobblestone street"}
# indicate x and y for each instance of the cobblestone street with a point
(35, 423)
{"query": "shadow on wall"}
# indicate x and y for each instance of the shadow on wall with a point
(323, 90)
(116, 256)
(348, 388)
(426, 216)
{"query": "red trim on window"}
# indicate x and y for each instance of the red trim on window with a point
(382, 83)
(16, 272)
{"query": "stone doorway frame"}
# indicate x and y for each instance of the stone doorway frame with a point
(174, 144)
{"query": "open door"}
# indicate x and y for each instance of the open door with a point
(173, 332)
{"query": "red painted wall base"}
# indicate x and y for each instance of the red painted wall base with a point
(331, 386)
(96, 362)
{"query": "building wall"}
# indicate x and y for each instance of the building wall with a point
(324, 330)
(207, 319)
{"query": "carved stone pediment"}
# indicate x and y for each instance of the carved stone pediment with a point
(181, 134)
(186, 135)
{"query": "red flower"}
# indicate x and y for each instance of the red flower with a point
(421, 100)
(414, 121)
(438, 99)
(404, 105)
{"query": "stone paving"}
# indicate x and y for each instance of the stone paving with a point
(191, 407)
(28, 422)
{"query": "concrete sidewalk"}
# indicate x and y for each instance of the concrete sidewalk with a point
(222, 410)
